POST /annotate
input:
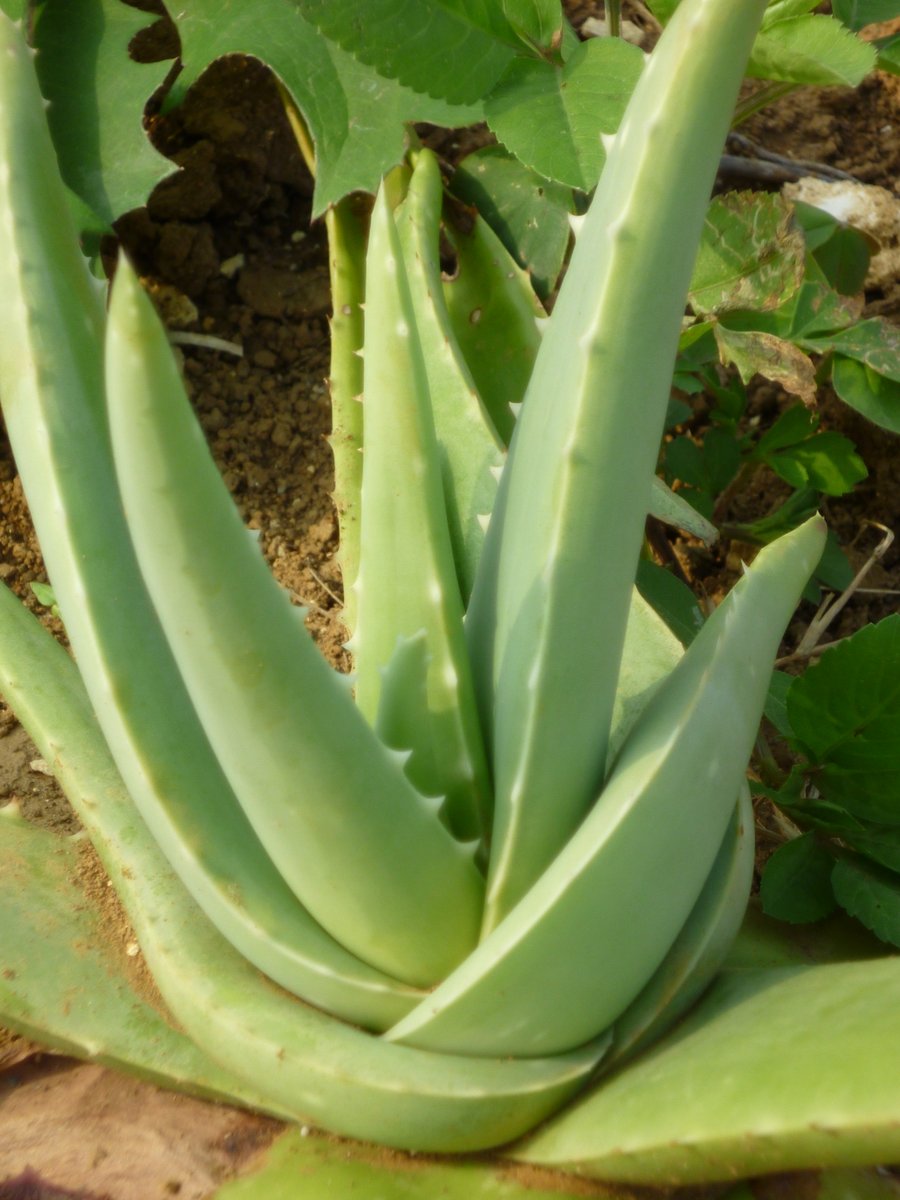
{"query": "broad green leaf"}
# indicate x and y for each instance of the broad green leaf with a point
(819, 310)
(356, 118)
(868, 392)
(875, 342)
(812, 49)
(751, 255)
(804, 458)
(540, 21)
(14, 8)
(549, 116)
(856, 14)
(529, 213)
(871, 894)
(796, 881)
(773, 357)
(845, 259)
(845, 713)
(454, 49)
(878, 842)
(97, 96)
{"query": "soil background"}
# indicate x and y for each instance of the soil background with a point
(228, 250)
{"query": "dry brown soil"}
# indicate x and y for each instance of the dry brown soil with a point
(228, 247)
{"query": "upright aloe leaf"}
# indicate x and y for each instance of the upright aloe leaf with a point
(548, 613)
(317, 785)
(408, 598)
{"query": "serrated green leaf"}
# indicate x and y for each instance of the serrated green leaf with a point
(530, 214)
(356, 117)
(813, 49)
(453, 49)
(796, 881)
(97, 97)
(549, 116)
(804, 458)
(751, 255)
(756, 353)
(871, 894)
(845, 713)
(856, 14)
(868, 392)
(875, 342)
(540, 21)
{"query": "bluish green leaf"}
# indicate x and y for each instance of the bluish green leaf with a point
(868, 392)
(871, 894)
(813, 49)
(751, 255)
(796, 881)
(845, 713)
(97, 96)
(856, 14)
(453, 49)
(549, 116)
(529, 213)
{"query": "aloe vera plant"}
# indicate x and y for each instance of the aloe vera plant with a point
(424, 905)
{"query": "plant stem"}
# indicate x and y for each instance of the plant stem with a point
(614, 17)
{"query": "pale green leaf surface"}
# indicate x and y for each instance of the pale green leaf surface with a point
(796, 881)
(667, 506)
(97, 96)
(256, 678)
(845, 712)
(73, 996)
(550, 116)
(813, 49)
(749, 1083)
(357, 118)
(671, 598)
(751, 255)
(869, 393)
(529, 213)
(455, 49)
(871, 894)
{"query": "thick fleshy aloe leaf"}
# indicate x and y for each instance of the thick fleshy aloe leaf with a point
(298, 1060)
(773, 1071)
(51, 387)
(661, 816)
(65, 985)
(550, 605)
(317, 785)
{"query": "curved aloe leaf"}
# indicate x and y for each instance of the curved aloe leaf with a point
(550, 604)
(308, 1065)
(315, 782)
(661, 817)
(51, 387)
(773, 1071)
